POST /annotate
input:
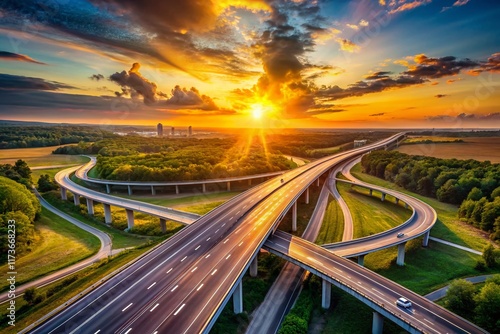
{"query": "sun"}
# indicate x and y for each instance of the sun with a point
(257, 111)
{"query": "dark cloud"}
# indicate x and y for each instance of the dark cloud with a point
(378, 75)
(192, 99)
(17, 82)
(96, 77)
(133, 82)
(463, 117)
(18, 57)
(439, 67)
(366, 87)
(439, 96)
(491, 65)
(378, 114)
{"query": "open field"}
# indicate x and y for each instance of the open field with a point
(332, 227)
(59, 244)
(39, 156)
(35, 174)
(477, 148)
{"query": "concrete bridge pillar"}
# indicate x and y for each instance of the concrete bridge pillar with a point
(108, 188)
(294, 217)
(401, 254)
(397, 200)
(129, 190)
(317, 182)
(254, 267)
(249, 182)
(90, 206)
(406, 206)
(228, 186)
(382, 198)
(64, 194)
(371, 192)
(177, 190)
(107, 213)
(163, 225)
(76, 199)
(130, 218)
(238, 298)
(204, 187)
(307, 195)
(361, 260)
(153, 190)
(326, 294)
(378, 323)
(425, 242)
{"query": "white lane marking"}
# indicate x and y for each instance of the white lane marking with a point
(231, 218)
(197, 247)
(199, 287)
(226, 240)
(194, 269)
(175, 287)
(228, 256)
(127, 307)
(208, 238)
(217, 230)
(213, 272)
(178, 310)
(154, 307)
(237, 213)
(97, 331)
(128, 330)
(223, 225)
(206, 257)
(241, 243)
(169, 270)
(244, 207)
(151, 285)
(183, 258)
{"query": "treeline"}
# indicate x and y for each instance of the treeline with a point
(450, 180)
(458, 134)
(135, 158)
(20, 172)
(41, 136)
(304, 144)
(18, 207)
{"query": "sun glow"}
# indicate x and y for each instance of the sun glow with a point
(257, 111)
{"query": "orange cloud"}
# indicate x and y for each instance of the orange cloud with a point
(347, 45)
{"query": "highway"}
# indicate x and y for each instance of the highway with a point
(373, 289)
(184, 283)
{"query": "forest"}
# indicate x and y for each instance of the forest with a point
(41, 136)
(473, 185)
(135, 158)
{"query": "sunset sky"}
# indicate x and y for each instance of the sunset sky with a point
(252, 63)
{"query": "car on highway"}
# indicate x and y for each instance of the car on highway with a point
(401, 234)
(403, 302)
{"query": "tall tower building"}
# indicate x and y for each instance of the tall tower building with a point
(190, 131)
(159, 129)
(172, 131)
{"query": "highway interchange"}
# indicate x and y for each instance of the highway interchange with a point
(183, 284)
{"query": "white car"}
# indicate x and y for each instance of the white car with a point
(403, 302)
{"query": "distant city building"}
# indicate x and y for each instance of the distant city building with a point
(172, 131)
(159, 129)
(359, 143)
(190, 131)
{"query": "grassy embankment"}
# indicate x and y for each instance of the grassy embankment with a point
(39, 156)
(58, 244)
(332, 227)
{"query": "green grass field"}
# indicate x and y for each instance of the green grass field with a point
(370, 215)
(59, 244)
(35, 174)
(183, 201)
(39, 156)
(332, 227)
(448, 227)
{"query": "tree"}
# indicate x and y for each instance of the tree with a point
(489, 213)
(475, 194)
(495, 193)
(29, 295)
(460, 297)
(488, 307)
(46, 184)
(489, 255)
